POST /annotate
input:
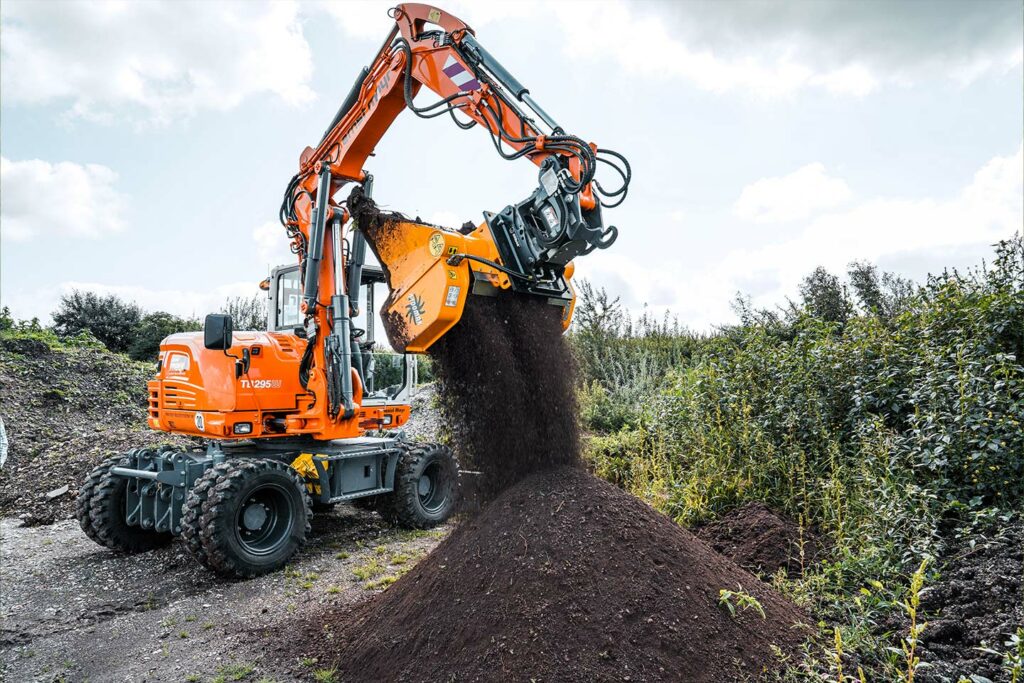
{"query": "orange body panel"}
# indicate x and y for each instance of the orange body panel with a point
(196, 392)
(427, 294)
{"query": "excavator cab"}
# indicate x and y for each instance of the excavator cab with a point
(386, 377)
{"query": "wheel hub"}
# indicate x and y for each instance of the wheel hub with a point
(264, 520)
(423, 485)
(254, 516)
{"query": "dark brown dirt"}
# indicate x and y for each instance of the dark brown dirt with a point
(505, 375)
(976, 604)
(563, 577)
(762, 540)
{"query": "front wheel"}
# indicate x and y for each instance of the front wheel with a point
(255, 518)
(426, 481)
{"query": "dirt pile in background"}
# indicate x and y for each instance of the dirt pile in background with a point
(761, 540)
(505, 377)
(563, 577)
(975, 606)
(64, 410)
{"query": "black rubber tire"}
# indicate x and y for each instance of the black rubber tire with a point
(226, 551)
(192, 510)
(83, 504)
(107, 515)
(407, 506)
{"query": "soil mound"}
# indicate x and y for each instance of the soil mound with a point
(761, 540)
(563, 577)
(64, 410)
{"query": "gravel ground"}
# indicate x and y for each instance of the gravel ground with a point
(74, 611)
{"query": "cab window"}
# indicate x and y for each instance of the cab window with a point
(288, 294)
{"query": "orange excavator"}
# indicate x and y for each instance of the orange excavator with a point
(290, 417)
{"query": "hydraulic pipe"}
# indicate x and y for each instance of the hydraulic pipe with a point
(341, 332)
(479, 55)
(357, 258)
(311, 291)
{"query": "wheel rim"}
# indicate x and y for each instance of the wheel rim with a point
(264, 521)
(432, 488)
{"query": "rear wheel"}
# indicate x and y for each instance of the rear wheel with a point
(83, 504)
(426, 481)
(108, 512)
(254, 518)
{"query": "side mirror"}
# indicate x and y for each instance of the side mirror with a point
(218, 332)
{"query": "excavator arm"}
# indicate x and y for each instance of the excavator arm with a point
(527, 247)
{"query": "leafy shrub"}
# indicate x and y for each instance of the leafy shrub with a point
(874, 428)
(247, 313)
(621, 361)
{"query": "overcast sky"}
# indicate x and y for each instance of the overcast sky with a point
(145, 145)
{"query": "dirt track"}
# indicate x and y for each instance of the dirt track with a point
(74, 611)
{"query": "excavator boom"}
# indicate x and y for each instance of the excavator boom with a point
(527, 247)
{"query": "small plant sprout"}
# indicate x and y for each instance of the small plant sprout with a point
(911, 604)
(325, 675)
(837, 655)
(744, 600)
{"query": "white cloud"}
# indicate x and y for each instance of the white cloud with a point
(446, 219)
(644, 44)
(791, 197)
(152, 61)
(771, 50)
(272, 244)
(987, 209)
(63, 199)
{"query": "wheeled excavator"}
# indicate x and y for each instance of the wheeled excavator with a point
(290, 419)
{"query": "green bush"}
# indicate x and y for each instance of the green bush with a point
(155, 327)
(754, 415)
(877, 427)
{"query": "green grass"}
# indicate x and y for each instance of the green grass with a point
(233, 672)
(325, 675)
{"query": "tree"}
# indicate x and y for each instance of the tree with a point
(247, 313)
(153, 329)
(825, 297)
(886, 296)
(866, 286)
(596, 312)
(110, 319)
